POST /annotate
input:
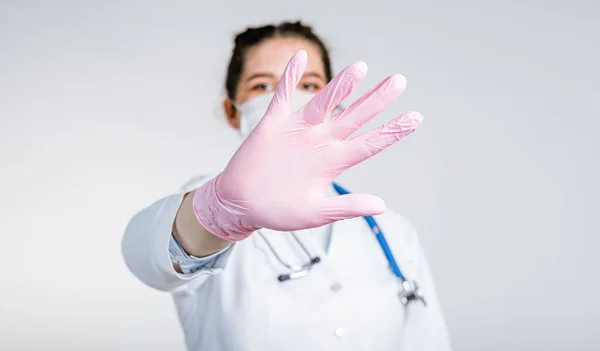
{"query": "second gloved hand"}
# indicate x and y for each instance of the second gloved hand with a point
(278, 177)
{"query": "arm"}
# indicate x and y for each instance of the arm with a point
(191, 235)
(149, 246)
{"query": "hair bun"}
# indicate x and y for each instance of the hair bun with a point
(253, 34)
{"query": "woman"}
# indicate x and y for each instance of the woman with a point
(225, 246)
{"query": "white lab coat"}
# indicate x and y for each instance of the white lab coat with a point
(348, 301)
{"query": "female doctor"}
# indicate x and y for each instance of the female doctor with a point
(271, 253)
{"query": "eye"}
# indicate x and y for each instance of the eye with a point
(263, 87)
(310, 87)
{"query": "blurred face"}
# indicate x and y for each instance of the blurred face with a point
(265, 64)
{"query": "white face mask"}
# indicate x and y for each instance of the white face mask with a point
(253, 110)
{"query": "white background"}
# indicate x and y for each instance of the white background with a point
(108, 106)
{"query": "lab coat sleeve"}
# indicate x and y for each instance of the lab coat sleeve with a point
(146, 242)
(188, 263)
(425, 328)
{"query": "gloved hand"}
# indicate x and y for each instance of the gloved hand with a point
(278, 177)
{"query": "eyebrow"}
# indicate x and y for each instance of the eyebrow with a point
(313, 74)
(271, 75)
(260, 75)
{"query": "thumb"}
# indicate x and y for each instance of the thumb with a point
(338, 208)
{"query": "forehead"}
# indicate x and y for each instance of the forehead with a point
(272, 55)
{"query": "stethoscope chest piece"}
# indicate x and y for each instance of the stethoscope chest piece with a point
(411, 292)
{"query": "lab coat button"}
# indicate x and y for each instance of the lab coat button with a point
(338, 332)
(336, 287)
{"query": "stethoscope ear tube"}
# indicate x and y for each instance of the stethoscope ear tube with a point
(300, 273)
(283, 277)
(297, 271)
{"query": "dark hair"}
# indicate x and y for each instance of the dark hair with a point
(255, 35)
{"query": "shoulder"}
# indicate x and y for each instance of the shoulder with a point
(391, 217)
(396, 221)
(400, 232)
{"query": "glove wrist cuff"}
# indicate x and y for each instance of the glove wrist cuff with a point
(214, 215)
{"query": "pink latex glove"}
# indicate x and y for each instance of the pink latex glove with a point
(278, 177)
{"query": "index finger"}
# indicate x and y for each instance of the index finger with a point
(334, 92)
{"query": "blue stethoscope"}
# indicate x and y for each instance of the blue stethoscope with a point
(410, 290)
